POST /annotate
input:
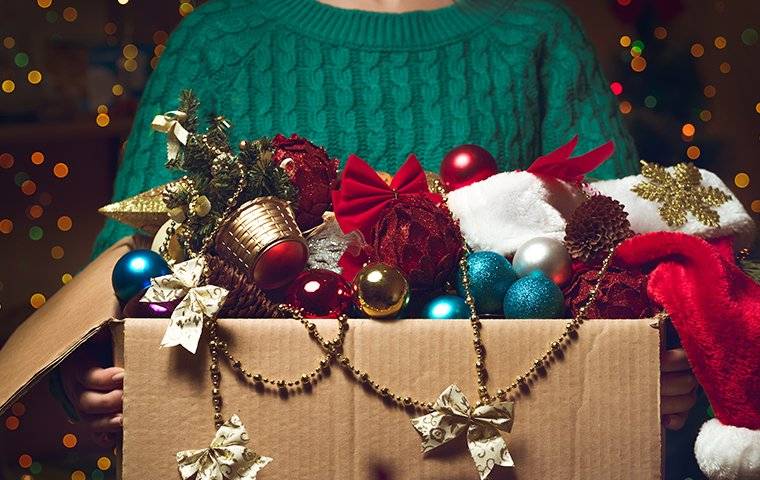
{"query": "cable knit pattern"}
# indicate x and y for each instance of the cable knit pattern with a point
(515, 76)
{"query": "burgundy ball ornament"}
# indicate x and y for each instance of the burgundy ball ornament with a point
(320, 293)
(466, 164)
(137, 309)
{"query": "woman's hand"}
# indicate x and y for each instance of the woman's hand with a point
(678, 388)
(95, 391)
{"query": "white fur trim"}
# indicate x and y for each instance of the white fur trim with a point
(725, 452)
(645, 216)
(506, 210)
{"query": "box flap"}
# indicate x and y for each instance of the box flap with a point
(595, 415)
(71, 316)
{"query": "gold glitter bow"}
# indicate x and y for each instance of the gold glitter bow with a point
(452, 415)
(680, 192)
(177, 135)
(198, 302)
(226, 458)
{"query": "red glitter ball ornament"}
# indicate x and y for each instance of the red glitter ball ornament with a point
(622, 293)
(312, 171)
(320, 293)
(466, 164)
(419, 238)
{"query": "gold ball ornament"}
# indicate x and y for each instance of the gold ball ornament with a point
(202, 206)
(380, 290)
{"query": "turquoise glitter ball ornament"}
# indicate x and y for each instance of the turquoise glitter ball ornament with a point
(446, 307)
(534, 296)
(134, 270)
(490, 275)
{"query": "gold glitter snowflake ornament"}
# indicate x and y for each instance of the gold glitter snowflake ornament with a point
(680, 193)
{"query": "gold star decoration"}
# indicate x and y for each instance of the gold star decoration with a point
(680, 193)
(145, 211)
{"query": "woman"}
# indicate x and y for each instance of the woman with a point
(381, 78)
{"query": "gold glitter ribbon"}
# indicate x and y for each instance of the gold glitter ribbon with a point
(198, 302)
(452, 415)
(226, 458)
(177, 135)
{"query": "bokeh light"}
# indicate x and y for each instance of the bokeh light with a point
(755, 206)
(37, 158)
(710, 91)
(70, 14)
(9, 42)
(757, 107)
(616, 87)
(35, 468)
(44, 3)
(66, 278)
(749, 36)
(720, 42)
(725, 67)
(117, 90)
(21, 59)
(18, 409)
(741, 180)
(60, 170)
(35, 212)
(36, 233)
(625, 107)
(6, 160)
(64, 223)
(102, 120)
(688, 130)
(8, 86)
(697, 50)
(78, 475)
(660, 33)
(705, 115)
(130, 64)
(69, 440)
(160, 37)
(638, 64)
(650, 101)
(104, 463)
(186, 8)
(12, 423)
(625, 41)
(37, 300)
(110, 28)
(34, 77)
(130, 51)
(693, 152)
(28, 187)
(25, 461)
(57, 252)
(6, 226)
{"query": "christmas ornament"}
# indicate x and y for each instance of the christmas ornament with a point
(452, 416)
(432, 180)
(134, 270)
(262, 238)
(534, 296)
(226, 458)
(598, 225)
(380, 290)
(680, 192)
(174, 251)
(420, 239)
(622, 294)
(546, 255)
(312, 172)
(137, 309)
(197, 302)
(539, 201)
(446, 307)
(715, 308)
(145, 211)
(327, 244)
(466, 164)
(245, 299)
(363, 195)
(490, 276)
(320, 293)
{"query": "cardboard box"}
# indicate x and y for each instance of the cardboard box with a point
(594, 416)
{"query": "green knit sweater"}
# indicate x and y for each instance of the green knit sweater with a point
(517, 77)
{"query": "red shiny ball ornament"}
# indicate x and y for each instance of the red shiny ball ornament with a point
(320, 293)
(466, 164)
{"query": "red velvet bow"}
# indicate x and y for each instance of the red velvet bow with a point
(363, 194)
(558, 163)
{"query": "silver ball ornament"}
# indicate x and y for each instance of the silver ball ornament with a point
(546, 255)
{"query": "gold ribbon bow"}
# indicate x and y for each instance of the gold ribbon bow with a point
(198, 303)
(452, 415)
(226, 458)
(177, 135)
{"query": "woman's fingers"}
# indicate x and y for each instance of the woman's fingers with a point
(91, 402)
(677, 383)
(104, 379)
(674, 360)
(677, 403)
(105, 423)
(674, 422)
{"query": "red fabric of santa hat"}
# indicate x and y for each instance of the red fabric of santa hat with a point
(715, 308)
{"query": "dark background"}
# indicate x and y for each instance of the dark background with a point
(71, 74)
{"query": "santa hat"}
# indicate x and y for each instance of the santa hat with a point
(715, 308)
(504, 211)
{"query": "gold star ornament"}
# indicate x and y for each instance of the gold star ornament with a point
(145, 211)
(679, 193)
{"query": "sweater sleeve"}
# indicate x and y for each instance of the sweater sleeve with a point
(182, 65)
(576, 98)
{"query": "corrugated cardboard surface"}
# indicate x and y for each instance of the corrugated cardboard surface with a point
(595, 416)
(75, 313)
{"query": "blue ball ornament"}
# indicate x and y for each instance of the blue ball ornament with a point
(534, 296)
(490, 275)
(446, 307)
(134, 270)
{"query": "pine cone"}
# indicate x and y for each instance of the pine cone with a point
(245, 299)
(597, 226)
